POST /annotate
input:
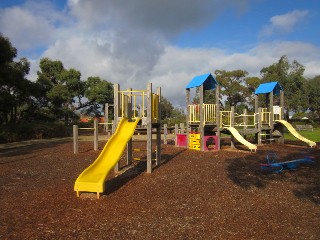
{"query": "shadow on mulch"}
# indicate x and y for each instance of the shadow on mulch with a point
(140, 167)
(26, 148)
(304, 181)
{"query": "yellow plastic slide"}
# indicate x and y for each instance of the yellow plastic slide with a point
(238, 136)
(92, 179)
(296, 134)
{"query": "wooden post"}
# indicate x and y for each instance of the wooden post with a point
(282, 104)
(165, 133)
(256, 103)
(187, 116)
(75, 139)
(106, 117)
(95, 135)
(176, 131)
(232, 117)
(129, 114)
(158, 153)
(218, 113)
(258, 135)
(149, 128)
(182, 127)
(113, 125)
(271, 111)
(116, 89)
(245, 118)
(116, 106)
(232, 124)
(201, 126)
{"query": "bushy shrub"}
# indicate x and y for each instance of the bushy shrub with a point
(33, 130)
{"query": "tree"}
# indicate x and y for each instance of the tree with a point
(166, 108)
(313, 87)
(63, 92)
(233, 86)
(14, 87)
(290, 77)
(252, 83)
(178, 115)
(99, 92)
(55, 95)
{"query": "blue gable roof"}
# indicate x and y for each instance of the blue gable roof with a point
(207, 80)
(269, 87)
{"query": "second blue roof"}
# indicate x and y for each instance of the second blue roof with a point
(208, 81)
(269, 87)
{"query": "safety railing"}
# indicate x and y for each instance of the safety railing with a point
(209, 111)
(225, 119)
(194, 113)
(265, 116)
(138, 104)
(246, 120)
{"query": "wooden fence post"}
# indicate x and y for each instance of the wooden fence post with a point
(95, 135)
(165, 133)
(75, 139)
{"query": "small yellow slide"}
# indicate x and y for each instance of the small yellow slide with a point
(238, 136)
(92, 179)
(296, 134)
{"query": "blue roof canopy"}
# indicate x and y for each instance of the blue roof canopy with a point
(269, 87)
(207, 80)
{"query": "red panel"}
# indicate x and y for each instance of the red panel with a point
(211, 143)
(182, 140)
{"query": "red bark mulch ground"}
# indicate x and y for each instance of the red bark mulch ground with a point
(192, 195)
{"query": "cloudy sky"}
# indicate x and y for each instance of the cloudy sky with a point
(166, 42)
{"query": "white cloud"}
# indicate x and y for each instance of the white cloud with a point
(177, 66)
(32, 25)
(129, 43)
(283, 24)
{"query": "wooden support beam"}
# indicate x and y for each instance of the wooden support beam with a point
(129, 114)
(75, 139)
(258, 135)
(218, 112)
(282, 104)
(256, 103)
(116, 99)
(201, 110)
(165, 133)
(149, 128)
(158, 153)
(232, 124)
(187, 116)
(271, 110)
(95, 135)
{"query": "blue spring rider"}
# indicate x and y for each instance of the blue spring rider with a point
(277, 167)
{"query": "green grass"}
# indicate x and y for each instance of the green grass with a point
(313, 136)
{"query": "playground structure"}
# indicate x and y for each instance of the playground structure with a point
(208, 120)
(277, 167)
(127, 104)
(131, 107)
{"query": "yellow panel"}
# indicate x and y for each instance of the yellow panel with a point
(195, 142)
(196, 147)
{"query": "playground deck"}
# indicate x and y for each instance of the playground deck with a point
(192, 195)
